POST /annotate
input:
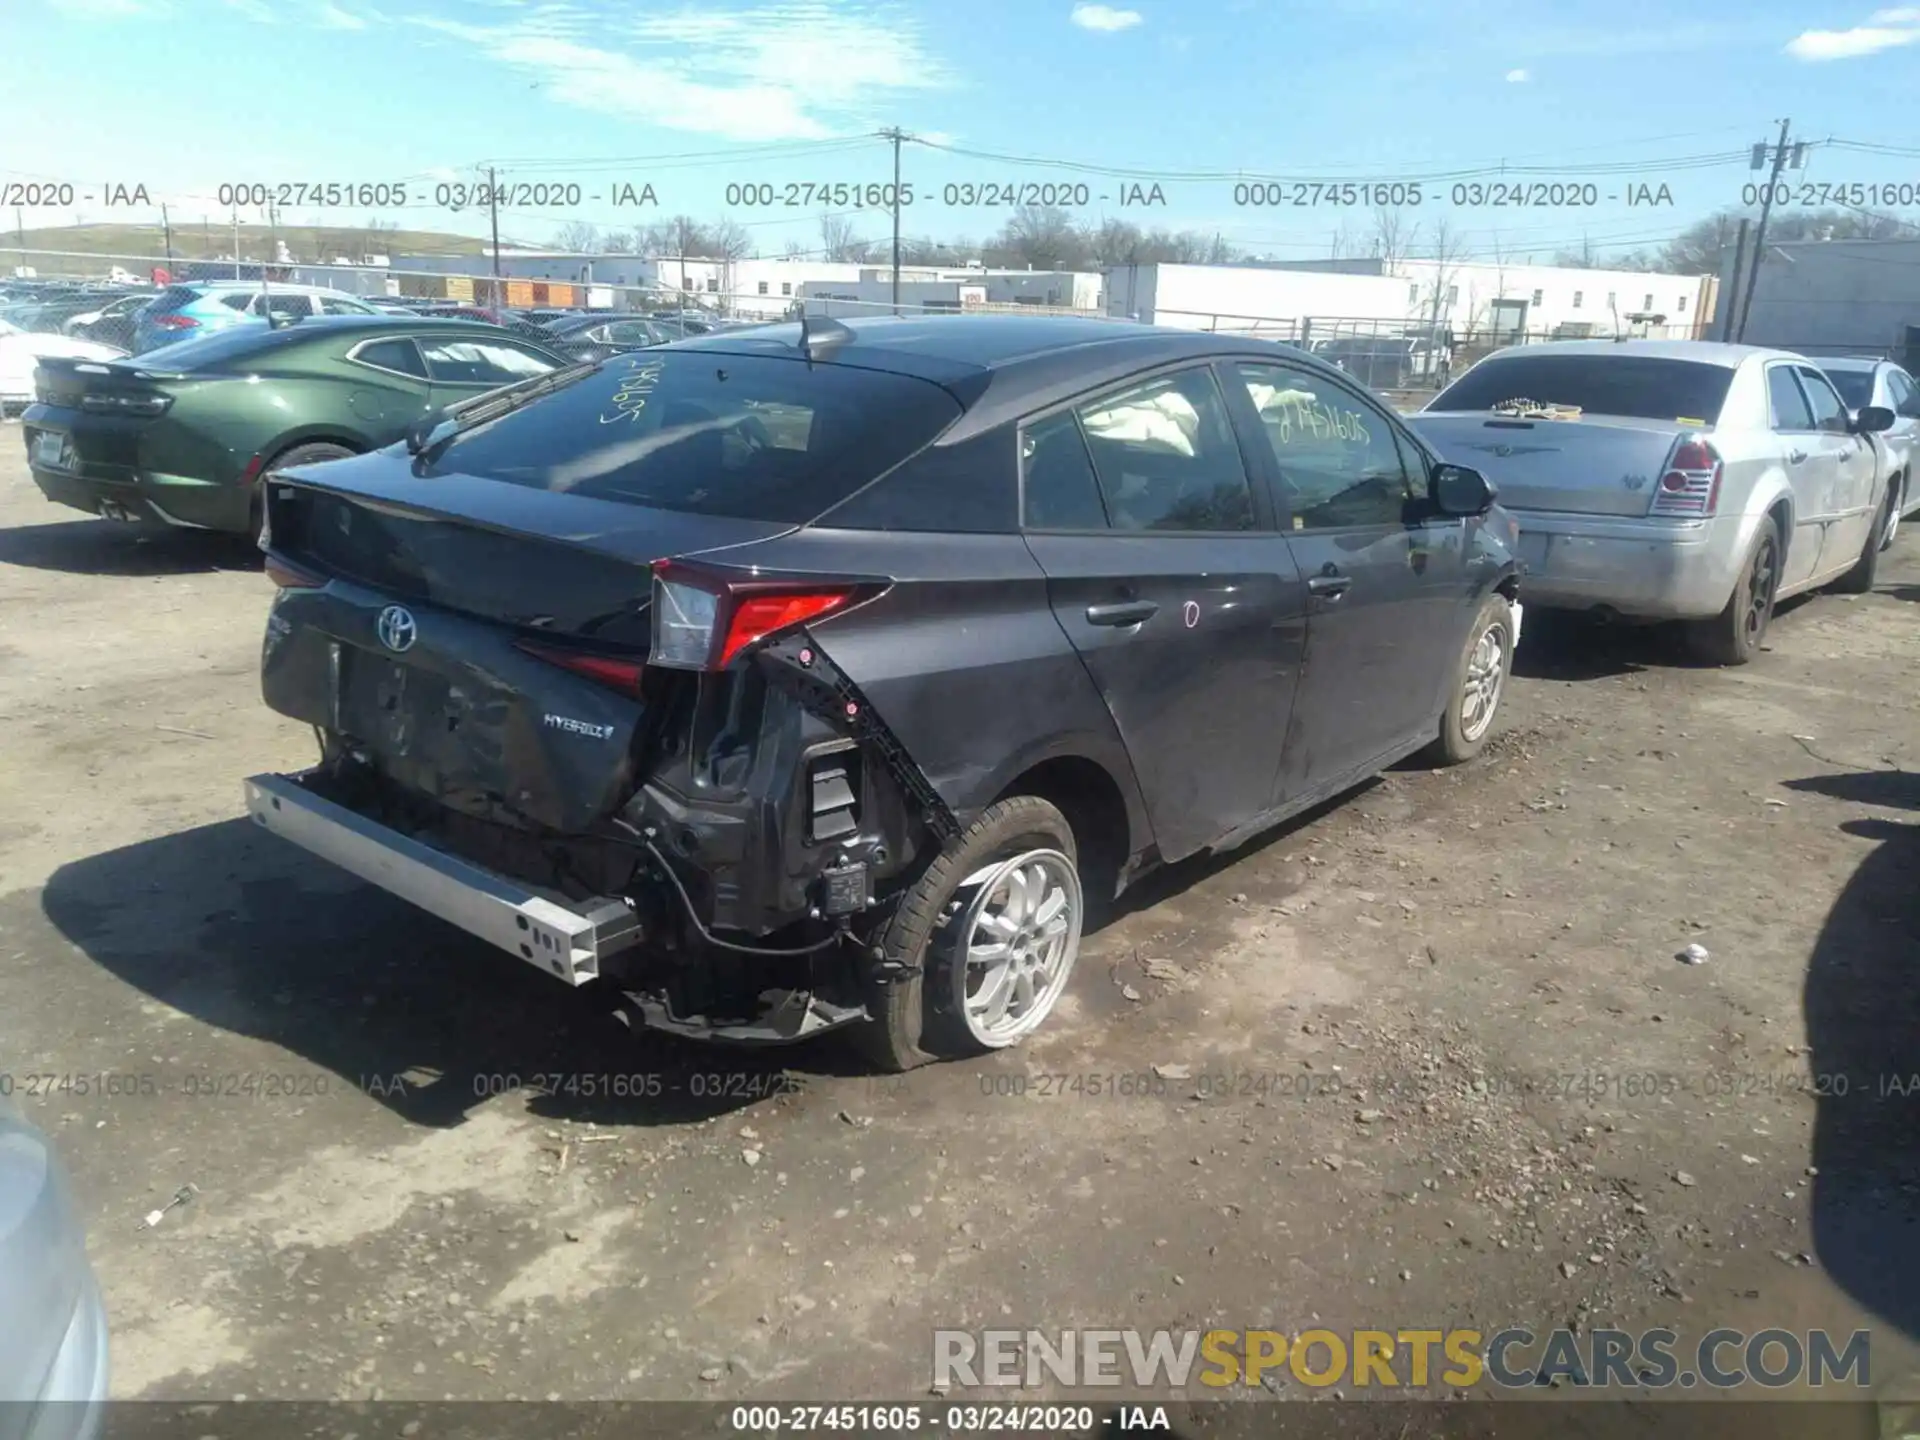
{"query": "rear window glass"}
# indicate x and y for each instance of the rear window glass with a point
(171, 299)
(747, 436)
(1640, 386)
(207, 351)
(1855, 386)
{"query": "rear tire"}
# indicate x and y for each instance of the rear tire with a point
(309, 454)
(1479, 680)
(1896, 502)
(1859, 580)
(1733, 636)
(923, 1016)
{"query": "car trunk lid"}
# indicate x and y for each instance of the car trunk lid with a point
(1593, 465)
(482, 643)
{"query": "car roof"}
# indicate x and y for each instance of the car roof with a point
(322, 327)
(1003, 366)
(1700, 352)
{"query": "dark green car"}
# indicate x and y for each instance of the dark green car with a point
(182, 437)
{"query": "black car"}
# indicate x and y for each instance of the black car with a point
(595, 337)
(822, 674)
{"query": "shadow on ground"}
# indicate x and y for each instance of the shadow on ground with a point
(108, 547)
(1862, 1006)
(240, 931)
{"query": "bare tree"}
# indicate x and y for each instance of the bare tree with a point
(839, 241)
(1344, 245)
(618, 242)
(1115, 242)
(1044, 237)
(1446, 250)
(577, 237)
(1392, 237)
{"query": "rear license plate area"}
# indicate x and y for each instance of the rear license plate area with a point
(50, 449)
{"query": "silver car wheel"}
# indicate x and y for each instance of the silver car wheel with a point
(1018, 940)
(1486, 674)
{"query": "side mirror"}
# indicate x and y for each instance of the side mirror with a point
(1456, 490)
(1872, 419)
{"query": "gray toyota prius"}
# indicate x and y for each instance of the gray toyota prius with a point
(826, 674)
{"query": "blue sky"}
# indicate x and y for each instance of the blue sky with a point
(185, 95)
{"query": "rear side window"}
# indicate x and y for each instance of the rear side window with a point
(1166, 456)
(750, 436)
(1061, 491)
(1789, 406)
(398, 355)
(239, 300)
(1642, 387)
(171, 299)
(1828, 413)
(460, 361)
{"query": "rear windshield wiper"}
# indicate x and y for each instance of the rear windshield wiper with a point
(426, 441)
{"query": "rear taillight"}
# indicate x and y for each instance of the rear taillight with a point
(1690, 485)
(609, 670)
(145, 406)
(176, 322)
(701, 622)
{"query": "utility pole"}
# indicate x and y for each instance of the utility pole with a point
(1760, 233)
(1733, 281)
(896, 137)
(166, 230)
(493, 215)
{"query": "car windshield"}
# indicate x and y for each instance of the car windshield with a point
(753, 437)
(1642, 387)
(1855, 386)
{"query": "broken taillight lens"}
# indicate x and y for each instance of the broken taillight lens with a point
(701, 622)
(613, 671)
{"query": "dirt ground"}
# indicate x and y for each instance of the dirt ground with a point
(1392, 1041)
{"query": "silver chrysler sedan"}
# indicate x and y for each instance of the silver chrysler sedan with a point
(1673, 479)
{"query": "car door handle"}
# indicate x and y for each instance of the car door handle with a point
(1794, 457)
(1122, 612)
(1329, 587)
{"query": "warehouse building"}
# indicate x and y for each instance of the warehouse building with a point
(1836, 297)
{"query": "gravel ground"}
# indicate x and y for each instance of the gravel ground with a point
(1425, 1056)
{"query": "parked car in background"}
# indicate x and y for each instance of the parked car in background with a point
(21, 352)
(189, 312)
(597, 336)
(817, 675)
(183, 438)
(1672, 479)
(485, 315)
(392, 304)
(1863, 382)
(54, 1361)
(113, 323)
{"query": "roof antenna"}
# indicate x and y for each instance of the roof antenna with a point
(818, 334)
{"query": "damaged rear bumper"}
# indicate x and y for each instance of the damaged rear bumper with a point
(565, 938)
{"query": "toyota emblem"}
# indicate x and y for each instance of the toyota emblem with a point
(396, 629)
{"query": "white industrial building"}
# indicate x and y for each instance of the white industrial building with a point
(1835, 296)
(941, 288)
(1477, 297)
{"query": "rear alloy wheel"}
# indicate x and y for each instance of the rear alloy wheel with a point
(1733, 636)
(1859, 580)
(985, 941)
(1479, 682)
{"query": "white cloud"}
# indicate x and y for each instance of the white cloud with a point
(1518, 77)
(1884, 30)
(800, 70)
(1104, 17)
(332, 17)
